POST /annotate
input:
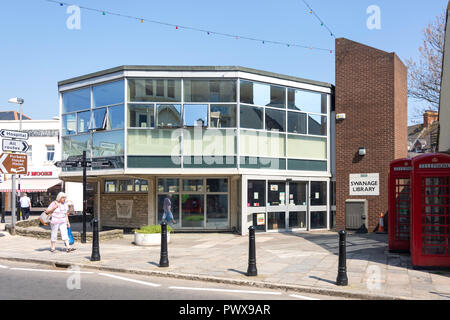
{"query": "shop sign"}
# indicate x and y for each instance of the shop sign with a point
(260, 218)
(367, 184)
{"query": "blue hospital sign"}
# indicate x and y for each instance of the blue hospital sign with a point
(365, 184)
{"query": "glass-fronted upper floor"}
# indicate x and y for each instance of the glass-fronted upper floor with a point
(198, 122)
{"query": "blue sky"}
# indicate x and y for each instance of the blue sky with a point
(37, 49)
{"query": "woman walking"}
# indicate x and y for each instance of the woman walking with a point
(59, 211)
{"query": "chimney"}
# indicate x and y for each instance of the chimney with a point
(429, 117)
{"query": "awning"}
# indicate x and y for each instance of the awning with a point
(30, 185)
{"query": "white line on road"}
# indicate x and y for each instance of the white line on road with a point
(3, 267)
(226, 290)
(302, 297)
(130, 280)
(49, 270)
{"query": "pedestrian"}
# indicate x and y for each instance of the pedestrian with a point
(25, 206)
(167, 207)
(59, 211)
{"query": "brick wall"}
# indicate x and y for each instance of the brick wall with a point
(371, 91)
(108, 216)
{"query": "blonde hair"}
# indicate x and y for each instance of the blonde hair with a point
(61, 195)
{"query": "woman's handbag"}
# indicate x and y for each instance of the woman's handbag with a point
(69, 233)
(45, 218)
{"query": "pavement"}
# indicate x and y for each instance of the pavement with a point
(298, 261)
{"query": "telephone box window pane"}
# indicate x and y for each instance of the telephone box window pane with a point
(251, 117)
(275, 120)
(195, 115)
(168, 115)
(141, 116)
(168, 185)
(108, 93)
(276, 194)
(77, 100)
(317, 125)
(256, 193)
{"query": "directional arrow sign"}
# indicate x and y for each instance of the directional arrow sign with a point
(13, 134)
(14, 145)
(13, 163)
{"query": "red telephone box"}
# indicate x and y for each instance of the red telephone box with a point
(399, 201)
(430, 218)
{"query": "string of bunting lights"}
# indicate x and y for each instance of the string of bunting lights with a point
(208, 32)
(322, 23)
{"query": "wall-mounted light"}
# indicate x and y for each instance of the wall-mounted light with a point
(340, 116)
(362, 151)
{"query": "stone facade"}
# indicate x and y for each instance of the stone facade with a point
(139, 214)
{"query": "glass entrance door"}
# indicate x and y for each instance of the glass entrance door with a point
(276, 205)
(318, 205)
(297, 205)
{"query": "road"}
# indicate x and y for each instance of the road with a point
(32, 281)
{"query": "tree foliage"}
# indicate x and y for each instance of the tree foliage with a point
(424, 76)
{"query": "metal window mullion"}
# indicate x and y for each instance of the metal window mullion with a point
(125, 136)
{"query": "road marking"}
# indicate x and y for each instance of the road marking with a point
(3, 267)
(130, 280)
(49, 270)
(226, 290)
(302, 297)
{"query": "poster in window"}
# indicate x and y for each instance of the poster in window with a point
(260, 217)
(255, 195)
(273, 187)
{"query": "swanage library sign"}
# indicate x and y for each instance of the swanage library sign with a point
(365, 184)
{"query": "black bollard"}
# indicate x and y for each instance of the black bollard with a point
(164, 261)
(251, 271)
(95, 242)
(342, 279)
(3, 217)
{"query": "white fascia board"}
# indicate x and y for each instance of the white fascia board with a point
(92, 81)
(181, 74)
(68, 174)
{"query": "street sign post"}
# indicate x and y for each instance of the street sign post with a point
(14, 145)
(13, 163)
(13, 134)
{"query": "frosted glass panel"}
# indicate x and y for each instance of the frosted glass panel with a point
(262, 144)
(307, 147)
(153, 142)
(209, 142)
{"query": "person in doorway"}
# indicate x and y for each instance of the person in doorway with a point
(59, 211)
(167, 208)
(25, 206)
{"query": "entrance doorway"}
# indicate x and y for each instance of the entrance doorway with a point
(355, 214)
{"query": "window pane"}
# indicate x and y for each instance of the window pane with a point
(297, 122)
(192, 206)
(217, 185)
(98, 119)
(116, 117)
(168, 185)
(307, 101)
(157, 90)
(256, 193)
(75, 145)
(107, 143)
(318, 220)
(110, 186)
(77, 100)
(307, 147)
(125, 185)
(83, 121)
(195, 115)
(175, 207)
(108, 93)
(210, 90)
(297, 193)
(141, 116)
(162, 142)
(262, 94)
(217, 211)
(69, 124)
(297, 219)
(319, 193)
(275, 120)
(194, 185)
(276, 194)
(276, 220)
(251, 117)
(317, 125)
(223, 116)
(168, 115)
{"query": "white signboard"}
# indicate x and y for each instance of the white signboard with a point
(365, 184)
(14, 134)
(14, 145)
